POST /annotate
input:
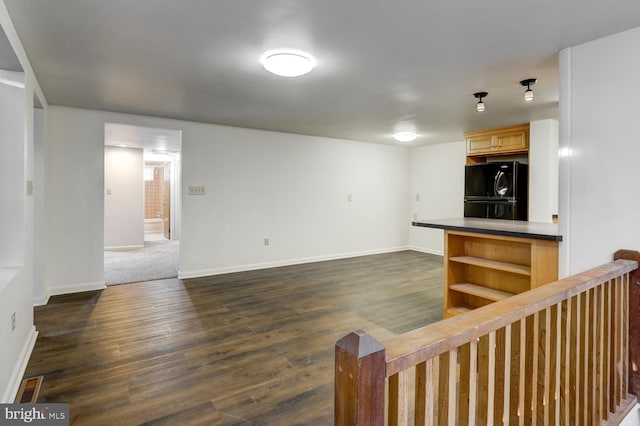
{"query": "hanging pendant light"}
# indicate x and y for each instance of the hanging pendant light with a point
(528, 94)
(480, 104)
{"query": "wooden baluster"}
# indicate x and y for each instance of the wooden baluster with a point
(616, 344)
(443, 388)
(585, 360)
(625, 336)
(453, 397)
(473, 382)
(492, 377)
(621, 339)
(593, 388)
(566, 393)
(534, 367)
(588, 333)
(463, 389)
(558, 364)
(522, 416)
(607, 352)
(547, 367)
(507, 374)
(515, 379)
(484, 374)
(424, 393)
(359, 380)
(600, 361)
(399, 399)
(499, 354)
(578, 385)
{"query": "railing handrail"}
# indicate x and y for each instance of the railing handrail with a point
(419, 345)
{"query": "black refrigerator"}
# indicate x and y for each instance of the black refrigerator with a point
(496, 190)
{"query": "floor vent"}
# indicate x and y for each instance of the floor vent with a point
(29, 389)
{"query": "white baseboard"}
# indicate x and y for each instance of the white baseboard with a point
(76, 288)
(426, 250)
(265, 265)
(133, 247)
(21, 366)
(41, 301)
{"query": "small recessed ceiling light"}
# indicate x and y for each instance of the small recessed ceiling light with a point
(288, 63)
(405, 136)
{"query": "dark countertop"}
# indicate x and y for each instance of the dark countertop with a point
(510, 228)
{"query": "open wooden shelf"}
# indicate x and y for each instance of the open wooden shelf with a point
(481, 269)
(480, 291)
(492, 264)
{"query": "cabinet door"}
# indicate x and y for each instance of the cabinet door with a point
(512, 141)
(479, 144)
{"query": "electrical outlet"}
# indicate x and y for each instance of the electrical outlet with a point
(13, 321)
(266, 241)
(349, 198)
(415, 216)
(417, 197)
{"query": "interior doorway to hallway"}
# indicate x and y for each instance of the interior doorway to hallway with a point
(142, 208)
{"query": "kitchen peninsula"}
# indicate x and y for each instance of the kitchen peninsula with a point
(487, 260)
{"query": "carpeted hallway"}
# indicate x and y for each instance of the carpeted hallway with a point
(157, 260)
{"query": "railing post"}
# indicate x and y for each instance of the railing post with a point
(359, 381)
(634, 319)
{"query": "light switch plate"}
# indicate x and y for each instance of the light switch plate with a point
(197, 190)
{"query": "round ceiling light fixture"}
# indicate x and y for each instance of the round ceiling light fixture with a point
(287, 62)
(405, 136)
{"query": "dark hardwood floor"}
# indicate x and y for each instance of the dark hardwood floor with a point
(246, 348)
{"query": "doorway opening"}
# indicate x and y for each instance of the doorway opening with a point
(142, 208)
(157, 200)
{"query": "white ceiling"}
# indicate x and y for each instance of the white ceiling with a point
(146, 138)
(381, 64)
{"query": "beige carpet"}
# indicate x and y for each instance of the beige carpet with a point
(157, 260)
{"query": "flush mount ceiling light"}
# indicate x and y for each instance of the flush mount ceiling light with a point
(405, 136)
(528, 94)
(480, 104)
(288, 63)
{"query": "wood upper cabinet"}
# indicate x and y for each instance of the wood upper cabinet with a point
(505, 140)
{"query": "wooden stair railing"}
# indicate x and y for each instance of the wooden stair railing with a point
(557, 354)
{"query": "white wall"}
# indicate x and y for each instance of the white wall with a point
(289, 188)
(16, 293)
(599, 201)
(14, 259)
(12, 183)
(543, 170)
(74, 204)
(124, 197)
(40, 294)
(437, 176)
